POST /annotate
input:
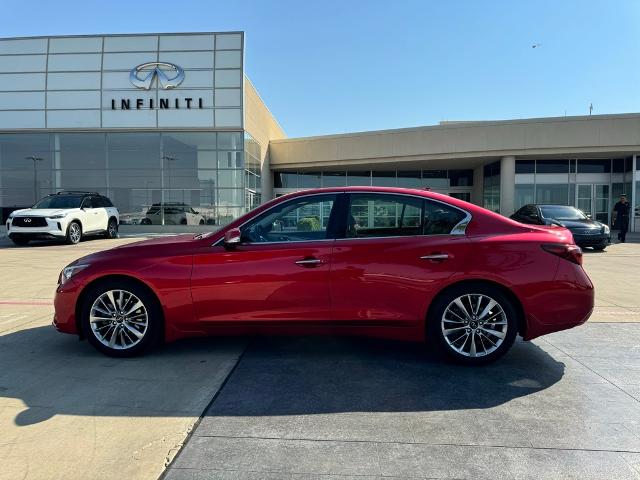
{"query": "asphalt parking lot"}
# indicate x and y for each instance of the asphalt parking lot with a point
(563, 406)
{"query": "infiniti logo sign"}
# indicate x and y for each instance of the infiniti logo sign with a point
(169, 75)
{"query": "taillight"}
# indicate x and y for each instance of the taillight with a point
(573, 253)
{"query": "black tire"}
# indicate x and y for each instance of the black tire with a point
(145, 221)
(112, 229)
(480, 331)
(19, 240)
(151, 336)
(74, 236)
(201, 222)
(599, 248)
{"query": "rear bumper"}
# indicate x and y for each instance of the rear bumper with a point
(566, 302)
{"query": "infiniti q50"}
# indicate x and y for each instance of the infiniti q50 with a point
(387, 262)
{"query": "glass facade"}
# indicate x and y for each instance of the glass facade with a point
(491, 190)
(592, 185)
(152, 178)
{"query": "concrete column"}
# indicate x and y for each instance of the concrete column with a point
(507, 184)
(478, 185)
(266, 178)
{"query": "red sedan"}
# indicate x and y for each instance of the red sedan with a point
(386, 262)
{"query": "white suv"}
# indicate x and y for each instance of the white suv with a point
(65, 216)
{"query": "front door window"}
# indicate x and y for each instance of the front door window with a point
(301, 219)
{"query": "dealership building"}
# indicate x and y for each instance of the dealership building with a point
(171, 119)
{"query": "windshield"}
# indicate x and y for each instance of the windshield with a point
(562, 212)
(62, 201)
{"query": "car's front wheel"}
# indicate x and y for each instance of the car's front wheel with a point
(473, 324)
(121, 318)
(74, 233)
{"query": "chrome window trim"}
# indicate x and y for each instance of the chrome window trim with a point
(458, 230)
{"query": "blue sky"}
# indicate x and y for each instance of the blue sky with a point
(340, 66)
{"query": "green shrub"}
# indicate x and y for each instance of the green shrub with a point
(309, 224)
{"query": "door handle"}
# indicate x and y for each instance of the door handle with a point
(309, 262)
(436, 257)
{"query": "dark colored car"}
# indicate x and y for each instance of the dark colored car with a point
(387, 262)
(586, 232)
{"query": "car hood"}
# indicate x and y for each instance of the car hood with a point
(573, 224)
(157, 248)
(162, 241)
(40, 212)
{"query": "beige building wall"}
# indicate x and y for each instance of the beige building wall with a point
(478, 142)
(263, 127)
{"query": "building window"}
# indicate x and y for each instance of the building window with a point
(138, 171)
(285, 180)
(356, 179)
(525, 194)
(334, 179)
(491, 194)
(552, 194)
(460, 178)
(552, 166)
(410, 179)
(525, 166)
(384, 179)
(309, 179)
(594, 166)
(437, 179)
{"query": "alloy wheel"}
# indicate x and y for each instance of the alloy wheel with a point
(74, 232)
(474, 325)
(119, 319)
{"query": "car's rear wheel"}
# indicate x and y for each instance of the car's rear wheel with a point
(121, 318)
(145, 221)
(20, 240)
(112, 229)
(74, 233)
(473, 324)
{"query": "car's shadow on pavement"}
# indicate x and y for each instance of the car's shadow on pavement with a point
(54, 374)
(304, 375)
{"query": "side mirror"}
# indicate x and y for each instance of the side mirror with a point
(588, 216)
(232, 238)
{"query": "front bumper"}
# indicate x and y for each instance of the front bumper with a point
(55, 228)
(64, 302)
(599, 240)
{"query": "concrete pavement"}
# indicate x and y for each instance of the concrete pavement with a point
(563, 406)
(67, 412)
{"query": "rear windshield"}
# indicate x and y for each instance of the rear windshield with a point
(60, 201)
(562, 212)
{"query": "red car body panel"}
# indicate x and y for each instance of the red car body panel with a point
(366, 286)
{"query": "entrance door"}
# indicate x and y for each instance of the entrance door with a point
(593, 199)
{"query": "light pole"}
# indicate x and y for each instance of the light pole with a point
(35, 175)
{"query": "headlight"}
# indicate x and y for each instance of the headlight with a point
(70, 271)
(606, 229)
(10, 215)
(55, 217)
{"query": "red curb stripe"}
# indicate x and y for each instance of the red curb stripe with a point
(18, 302)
